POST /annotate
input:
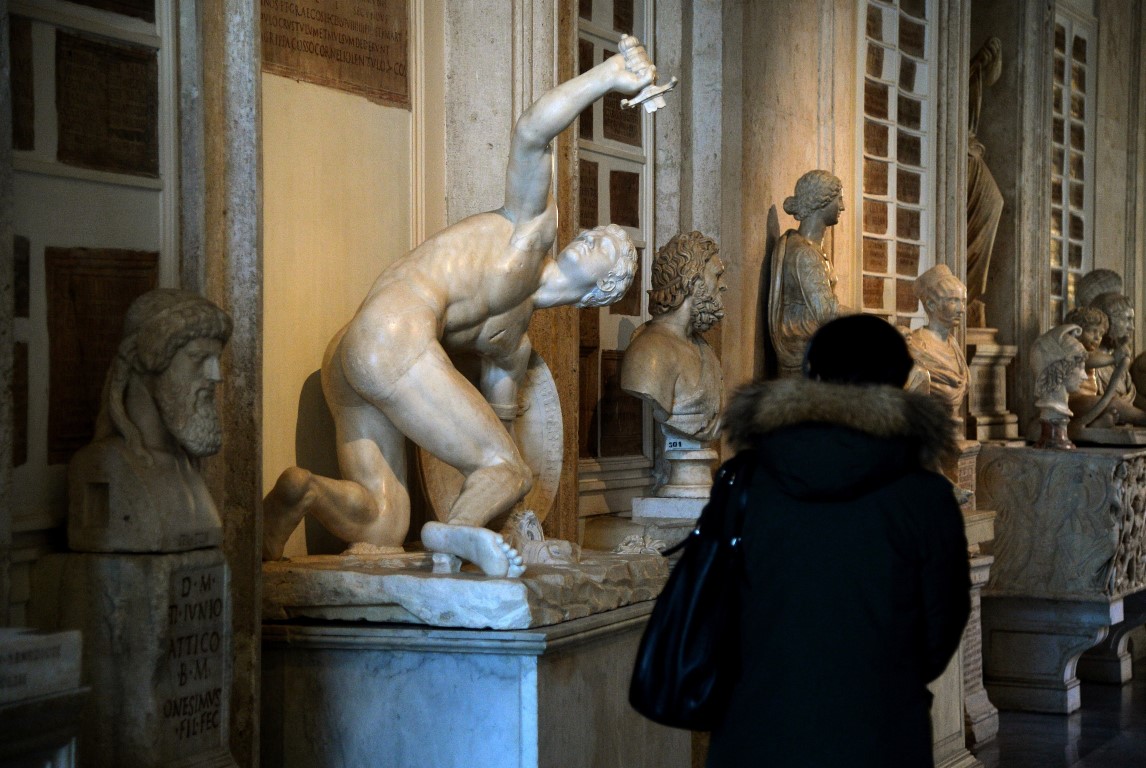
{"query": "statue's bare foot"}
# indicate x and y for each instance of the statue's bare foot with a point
(481, 546)
(283, 509)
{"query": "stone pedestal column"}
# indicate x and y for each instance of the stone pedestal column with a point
(979, 714)
(156, 653)
(987, 361)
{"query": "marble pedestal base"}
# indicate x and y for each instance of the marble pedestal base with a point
(657, 507)
(409, 696)
(1110, 661)
(156, 653)
(690, 465)
(1032, 646)
(987, 361)
(403, 589)
(1070, 550)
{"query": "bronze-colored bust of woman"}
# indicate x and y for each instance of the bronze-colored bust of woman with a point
(802, 281)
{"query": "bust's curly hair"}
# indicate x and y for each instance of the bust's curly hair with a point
(1087, 318)
(678, 266)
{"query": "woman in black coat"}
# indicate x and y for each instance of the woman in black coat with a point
(856, 588)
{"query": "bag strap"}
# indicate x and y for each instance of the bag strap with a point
(723, 515)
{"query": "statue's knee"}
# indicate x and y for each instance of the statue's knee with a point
(524, 477)
(511, 474)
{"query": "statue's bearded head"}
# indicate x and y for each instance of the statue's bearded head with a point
(171, 346)
(184, 394)
(1120, 313)
(688, 266)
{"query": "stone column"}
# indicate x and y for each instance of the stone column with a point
(228, 270)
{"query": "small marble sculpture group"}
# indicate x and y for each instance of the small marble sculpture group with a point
(470, 288)
(1104, 405)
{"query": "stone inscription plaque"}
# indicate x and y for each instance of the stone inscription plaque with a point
(630, 303)
(192, 684)
(357, 46)
(623, 125)
(107, 100)
(20, 81)
(89, 291)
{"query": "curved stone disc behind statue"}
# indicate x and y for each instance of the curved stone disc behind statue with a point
(539, 438)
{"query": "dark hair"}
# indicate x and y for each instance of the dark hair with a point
(858, 349)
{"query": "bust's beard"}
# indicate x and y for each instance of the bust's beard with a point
(707, 310)
(193, 423)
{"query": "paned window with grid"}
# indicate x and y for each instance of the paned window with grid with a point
(897, 98)
(1072, 159)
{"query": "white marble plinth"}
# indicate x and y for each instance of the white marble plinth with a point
(353, 588)
(654, 507)
(690, 464)
(156, 653)
(411, 697)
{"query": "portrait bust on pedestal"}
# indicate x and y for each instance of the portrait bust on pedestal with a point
(935, 346)
(670, 366)
(136, 486)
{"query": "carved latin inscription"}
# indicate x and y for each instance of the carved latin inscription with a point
(358, 46)
(192, 688)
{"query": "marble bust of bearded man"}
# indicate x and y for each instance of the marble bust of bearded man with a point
(136, 487)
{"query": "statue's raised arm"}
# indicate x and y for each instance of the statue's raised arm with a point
(528, 174)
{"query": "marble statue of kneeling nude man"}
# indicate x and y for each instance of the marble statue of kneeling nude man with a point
(471, 288)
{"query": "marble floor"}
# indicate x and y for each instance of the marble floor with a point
(1108, 732)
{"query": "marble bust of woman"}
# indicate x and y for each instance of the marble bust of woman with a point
(802, 281)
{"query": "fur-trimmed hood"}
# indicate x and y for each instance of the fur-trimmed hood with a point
(918, 427)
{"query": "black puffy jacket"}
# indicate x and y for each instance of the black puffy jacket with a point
(856, 588)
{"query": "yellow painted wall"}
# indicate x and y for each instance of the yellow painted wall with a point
(336, 209)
